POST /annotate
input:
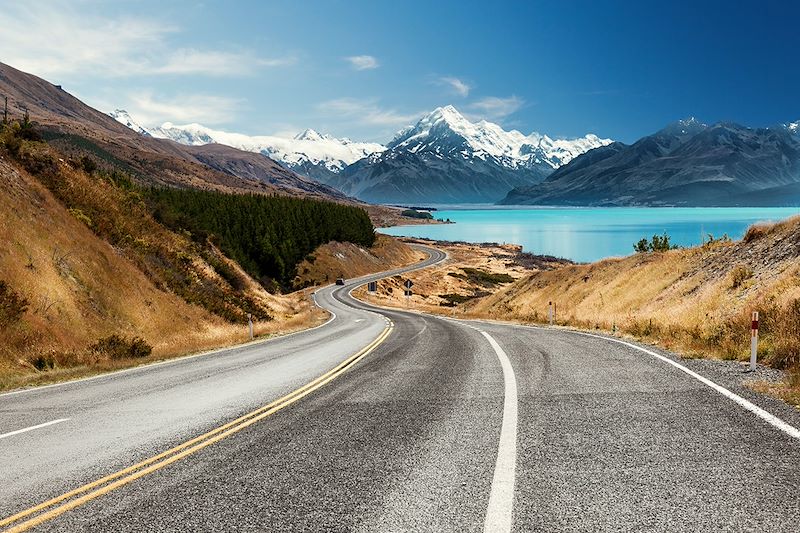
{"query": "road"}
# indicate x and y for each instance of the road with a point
(434, 424)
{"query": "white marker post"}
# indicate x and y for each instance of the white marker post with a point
(550, 314)
(753, 341)
(250, 324)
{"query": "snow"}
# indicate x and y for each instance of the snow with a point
(447, 129)
(124, 118)
(444, 131)
(308, 146)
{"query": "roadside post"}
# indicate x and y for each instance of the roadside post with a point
(753, 341)
(407, 292)
(550, 313)
(250, 324)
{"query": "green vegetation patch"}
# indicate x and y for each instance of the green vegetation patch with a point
(488, 279)
(267, 235)
(413, 213)
(659, 243)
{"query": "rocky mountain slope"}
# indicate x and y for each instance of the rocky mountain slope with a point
(445, 158)
(76, 128)
(687, 163)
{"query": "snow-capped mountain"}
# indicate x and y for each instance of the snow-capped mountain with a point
(445, 130)
(445, 158)
(122, 116)
(308, 153)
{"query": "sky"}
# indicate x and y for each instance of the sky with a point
(364, 69)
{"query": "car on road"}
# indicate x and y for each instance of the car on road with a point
(340, 281)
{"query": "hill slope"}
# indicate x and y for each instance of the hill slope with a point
(77, 128)
(86, 254)
(687, 164)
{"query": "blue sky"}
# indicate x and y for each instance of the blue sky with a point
(365, 69)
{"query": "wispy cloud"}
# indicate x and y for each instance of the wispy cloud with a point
(216, 63)
(60, 39)
(459, 87)
(494, 107)
(362, 62)
(366, 112)
(211, 110)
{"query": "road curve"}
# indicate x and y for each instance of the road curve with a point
(412, 437)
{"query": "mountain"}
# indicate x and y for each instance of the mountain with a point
(309, 153)
(122, 116)
(445, 158)
(687, 163)
(75, 128)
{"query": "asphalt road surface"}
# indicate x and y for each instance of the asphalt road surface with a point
(385, 420)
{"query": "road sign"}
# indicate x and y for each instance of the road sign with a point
(372, 286)
(408, 284)
(408, 293)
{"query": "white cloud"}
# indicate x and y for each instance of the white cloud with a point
(458, 86)
(61, 39)
(362, 62)
(200, 108)
(215, 63)
(365, 112)
(494, 107)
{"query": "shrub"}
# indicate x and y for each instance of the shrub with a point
(659, 243)
(43, 361)
(88, 164)
(483, 277)
(755, 232)
(12, 305)
(120, 347)
(739, 275)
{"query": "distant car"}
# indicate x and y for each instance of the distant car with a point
(340, 281)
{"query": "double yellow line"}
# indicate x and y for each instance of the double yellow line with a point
(75, 498)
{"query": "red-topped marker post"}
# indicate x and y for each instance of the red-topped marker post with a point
(753, 341)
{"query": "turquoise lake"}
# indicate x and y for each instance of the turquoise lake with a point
(589, 234)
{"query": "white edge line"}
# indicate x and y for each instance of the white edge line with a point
(499, 511)
(174, 360)
(25, 430)
(756, 410)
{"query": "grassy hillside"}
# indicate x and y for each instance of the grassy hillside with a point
(89, 278)
(696, 300)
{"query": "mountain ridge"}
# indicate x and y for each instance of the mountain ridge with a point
(686, 163)
(487, 160)
(445, 158)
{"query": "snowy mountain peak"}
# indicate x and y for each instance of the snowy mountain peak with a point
(446, 131)
(793, 127)
(124, 118)
(310, 135)
(686, 126)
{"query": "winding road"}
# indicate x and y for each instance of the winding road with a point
(388, 420)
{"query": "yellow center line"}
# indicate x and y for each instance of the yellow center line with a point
(157, 462)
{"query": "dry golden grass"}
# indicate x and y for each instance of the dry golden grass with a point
(346, 260)
(431, 285)
(80, 288)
